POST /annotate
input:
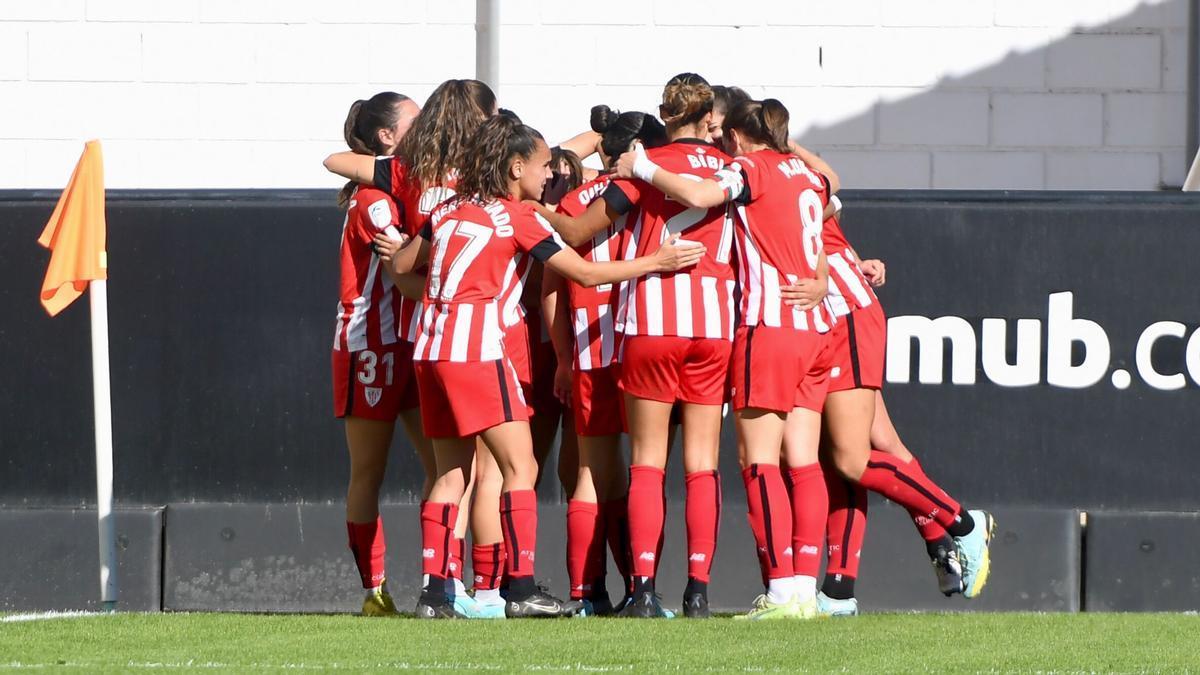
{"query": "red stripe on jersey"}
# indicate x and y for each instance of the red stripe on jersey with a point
(778, 236)
(848, 287)
(478, 251)
(369, 306)
(697, 302)
(415, 204)
(593, 310)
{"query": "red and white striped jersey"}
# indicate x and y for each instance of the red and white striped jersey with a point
(848, 287)
(474, 258)
(593, 310)
(369, 305)
(415, 203)
(779, 203)
(693, 303)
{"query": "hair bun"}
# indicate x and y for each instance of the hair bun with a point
(603, 118)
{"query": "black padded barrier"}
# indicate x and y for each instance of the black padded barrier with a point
(1143, 562)
(50, 559)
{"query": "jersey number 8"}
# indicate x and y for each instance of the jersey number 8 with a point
(811, 213)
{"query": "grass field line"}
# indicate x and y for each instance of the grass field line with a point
(46, 616)
(391, 665)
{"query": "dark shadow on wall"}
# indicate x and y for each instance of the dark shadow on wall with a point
(1090, 130)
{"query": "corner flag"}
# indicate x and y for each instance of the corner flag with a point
(76, 234)
(76, 237)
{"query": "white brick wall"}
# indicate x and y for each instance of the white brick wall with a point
(919, 94)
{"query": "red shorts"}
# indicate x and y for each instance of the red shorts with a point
(374, 384)
(596, 402)
(516, 348)
(461, 399)
(859, 342)
(668, 369)
(780, 369)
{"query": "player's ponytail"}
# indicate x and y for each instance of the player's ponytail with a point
(620, 129)
(361, 129)
(775, 121)
(603, 118)
(490, 153)
(686, 99)
(764, 122)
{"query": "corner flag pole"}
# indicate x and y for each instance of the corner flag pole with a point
(76, 236)
(102, 404)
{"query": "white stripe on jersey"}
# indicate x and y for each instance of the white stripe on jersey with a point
(439, 327)
(839, 264)
(461, 339)
(608, 336)
(511, 290)
(356, 327)
(337, 333)
(627, 302)
(654, 308)
(818, 322)
(492, 346)
(751, 273)
(387, 318)
(837, 302)
(772, 301)
(421, 351)
(583, 342)
(683, 305)
(712, 318)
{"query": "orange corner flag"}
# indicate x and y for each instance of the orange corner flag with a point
(76, 235)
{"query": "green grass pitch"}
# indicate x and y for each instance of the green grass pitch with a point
(872, 643)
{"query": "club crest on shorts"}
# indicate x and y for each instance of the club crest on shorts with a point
(373, 394)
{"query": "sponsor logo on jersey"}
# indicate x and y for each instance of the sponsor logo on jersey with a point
(381, 214)
(373, 395)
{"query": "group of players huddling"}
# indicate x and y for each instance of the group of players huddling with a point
(492, 286)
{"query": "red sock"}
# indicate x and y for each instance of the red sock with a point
(703, 521)
(487, 562)
(368, 547)
(929, 528)
(457, 553)
(846, 526)
(616, 529)
(437, 535)
(770, 516)
(751, 483)
(911, 489)
(585, 547)
(518, 515)
(645, 518)
(810, 509)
